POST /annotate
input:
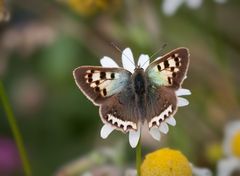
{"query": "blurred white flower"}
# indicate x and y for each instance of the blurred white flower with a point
(231, 143)
(170, 7)
(199, 171)
(231, 147)
(129, 64)
(228, 166)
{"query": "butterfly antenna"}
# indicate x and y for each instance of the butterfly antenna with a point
(160, 49)
(115, 46)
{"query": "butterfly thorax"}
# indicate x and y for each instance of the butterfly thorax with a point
(139, 81)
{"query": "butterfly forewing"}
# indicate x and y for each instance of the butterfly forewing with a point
(170, 69)
(99, 83)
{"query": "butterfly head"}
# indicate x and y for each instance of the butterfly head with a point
(138, 69)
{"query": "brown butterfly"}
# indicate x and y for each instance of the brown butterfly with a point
(127, 99)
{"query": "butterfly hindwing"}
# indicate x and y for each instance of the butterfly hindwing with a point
(170, 69)
(161, 104)
(120, 110)
(99, 83)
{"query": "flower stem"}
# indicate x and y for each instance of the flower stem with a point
(16, 133)
(139, 157)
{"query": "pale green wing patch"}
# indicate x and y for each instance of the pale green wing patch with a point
(170, 69)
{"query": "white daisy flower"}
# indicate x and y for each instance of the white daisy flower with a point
(231, 148)
(129, 64)
(231, 142)
(170, 7)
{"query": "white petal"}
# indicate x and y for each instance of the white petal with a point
(163, 128)
(154, 131)
(106, 130)
(198, 171)
(171, 121)
(182, 102)
(131, 172)
(181, 92)
(143, 61)
(169, 7)
(108, 62)
(127, 60)
(194, 4)
(134, 137)
(227, 166)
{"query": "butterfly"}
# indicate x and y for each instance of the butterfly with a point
(128, 99)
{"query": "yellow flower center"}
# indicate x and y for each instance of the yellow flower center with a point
(236, 144)
(166, 162)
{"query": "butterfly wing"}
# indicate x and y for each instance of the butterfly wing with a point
(111, 89)
(99, 83)
(121, 111)
(169, 70)
(165, 75)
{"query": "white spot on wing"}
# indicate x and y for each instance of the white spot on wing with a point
(120, 122)
(161, 117)
(172, 63)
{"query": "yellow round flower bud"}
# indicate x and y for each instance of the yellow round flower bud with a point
(166, 162)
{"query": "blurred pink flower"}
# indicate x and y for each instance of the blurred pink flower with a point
(9, 157)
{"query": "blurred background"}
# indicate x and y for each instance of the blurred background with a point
(41, 42)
